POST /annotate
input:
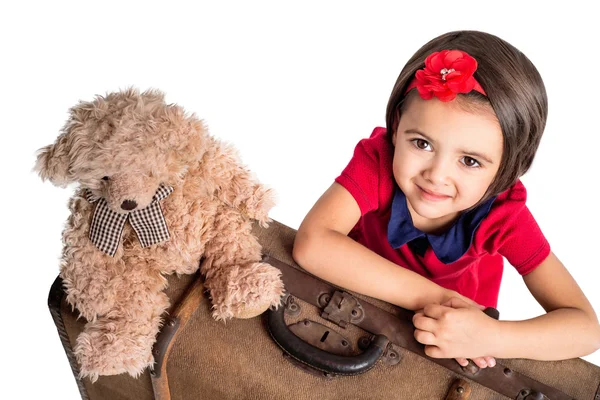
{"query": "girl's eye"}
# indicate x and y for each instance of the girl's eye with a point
(105, 178)
(422, 144)
(471, 162)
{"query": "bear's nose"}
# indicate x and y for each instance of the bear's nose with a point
(128, 205)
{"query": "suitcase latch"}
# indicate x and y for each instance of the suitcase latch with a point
(341, 308)
(528, 394)
(322, 337)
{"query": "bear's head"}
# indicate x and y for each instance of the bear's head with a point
(123, 147)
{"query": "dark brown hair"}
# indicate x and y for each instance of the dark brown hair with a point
(514, 89)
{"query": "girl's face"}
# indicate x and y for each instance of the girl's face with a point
(445, 158)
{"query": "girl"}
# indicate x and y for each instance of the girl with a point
(427, 208)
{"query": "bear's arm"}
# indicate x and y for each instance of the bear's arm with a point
(236, 186)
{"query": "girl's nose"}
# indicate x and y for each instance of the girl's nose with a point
(438, 171)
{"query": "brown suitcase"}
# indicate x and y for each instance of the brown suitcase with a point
(361, 348)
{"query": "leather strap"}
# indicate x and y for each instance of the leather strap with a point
(400, 331)
(460, 390)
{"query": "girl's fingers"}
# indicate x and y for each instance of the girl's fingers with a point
(462, 361)
(481, 362)
(424, 337)
(491, 361)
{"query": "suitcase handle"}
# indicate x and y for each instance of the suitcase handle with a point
(319, 359)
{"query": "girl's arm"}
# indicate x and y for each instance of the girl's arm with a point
(569, 316)
(323, 248)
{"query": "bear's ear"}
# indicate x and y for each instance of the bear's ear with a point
(53, 162)
(154, 95)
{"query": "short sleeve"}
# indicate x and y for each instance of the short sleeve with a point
(361, 177)
(511, 231)
(524, 245)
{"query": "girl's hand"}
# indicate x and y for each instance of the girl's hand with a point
(456, 329)
(481, 362)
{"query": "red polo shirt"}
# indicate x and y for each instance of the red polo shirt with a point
(508, 230)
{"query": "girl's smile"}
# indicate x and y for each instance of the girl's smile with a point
(430, 195)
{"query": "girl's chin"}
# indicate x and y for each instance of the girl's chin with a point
(431, 212)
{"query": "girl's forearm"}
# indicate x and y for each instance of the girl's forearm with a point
(545, 337)
(340, 260)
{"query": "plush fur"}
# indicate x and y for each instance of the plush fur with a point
(138, 142)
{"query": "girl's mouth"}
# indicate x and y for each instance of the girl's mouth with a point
(432, 196)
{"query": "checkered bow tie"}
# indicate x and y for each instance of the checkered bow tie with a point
(149, 223)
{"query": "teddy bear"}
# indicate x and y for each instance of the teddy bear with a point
(156, 195)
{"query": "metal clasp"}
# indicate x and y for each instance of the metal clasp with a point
(528, 394)
(341, 308)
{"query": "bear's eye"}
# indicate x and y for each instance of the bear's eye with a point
(105, 178)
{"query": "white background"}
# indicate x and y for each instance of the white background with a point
(294, 86)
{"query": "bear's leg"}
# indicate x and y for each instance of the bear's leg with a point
(122, 339)
(240, 285)
(91, 281)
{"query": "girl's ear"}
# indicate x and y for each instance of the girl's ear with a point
(53, 162)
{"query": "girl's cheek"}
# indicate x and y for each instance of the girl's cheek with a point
(472, 189)
(411, 163)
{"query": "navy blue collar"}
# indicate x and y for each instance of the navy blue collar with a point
(448, 246)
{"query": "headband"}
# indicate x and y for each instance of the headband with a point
(446, 73)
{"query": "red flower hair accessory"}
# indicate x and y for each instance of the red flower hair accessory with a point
(446, 73)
